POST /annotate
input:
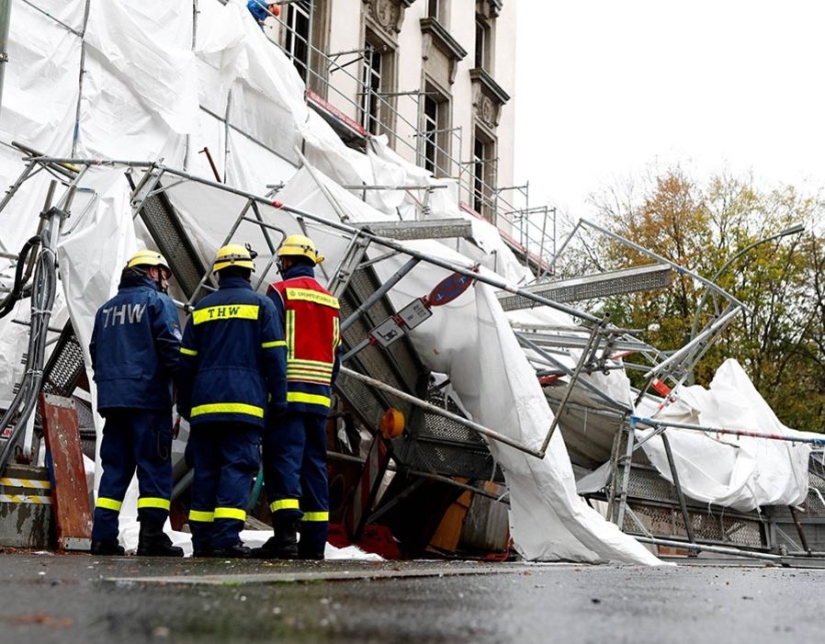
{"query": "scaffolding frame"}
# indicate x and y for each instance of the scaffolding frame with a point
(157, 179)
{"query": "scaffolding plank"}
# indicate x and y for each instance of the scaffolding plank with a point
(426, 229)
(163, 224)
(70, 497)
(631, 280)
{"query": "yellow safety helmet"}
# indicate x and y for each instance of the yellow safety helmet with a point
(148, 258)
(233, 255)
(300, 246)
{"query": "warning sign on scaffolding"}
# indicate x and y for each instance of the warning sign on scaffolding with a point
(395, 326)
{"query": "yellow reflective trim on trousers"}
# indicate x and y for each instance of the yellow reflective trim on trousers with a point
(225, 312)
(289, 331)
(230, 513)
(274, 343)
(311, 399)
(153, 502)
(201, 515)
(284, 504)
(308, 295)
(316, 516)
(228, 408)
(108, 504)
(188, 352)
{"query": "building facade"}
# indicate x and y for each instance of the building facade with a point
(436, 77)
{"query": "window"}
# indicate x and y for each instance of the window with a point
(435, 152)
(484, 178)
(478, 176)
(371, 99)
(430, 133)
(482, 43)
(297, 35)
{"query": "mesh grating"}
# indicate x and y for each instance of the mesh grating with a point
(594, 286)
(443, 446)
(648, 485)
(708, 526)
(162, 222)
(65, 366)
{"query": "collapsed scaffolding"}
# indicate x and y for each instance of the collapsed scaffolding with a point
(383, 369)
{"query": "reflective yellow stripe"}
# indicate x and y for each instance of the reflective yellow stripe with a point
(312, 399)
(308, 295)
(290, 335)
(274, 343)
(230, 513)
(153, 502)
(307, 369)
(188, 352)
(202, 516)
(228, 408)
(318, 364)
(336, 333)
(213, 313)
(284, 504)
(316, 516)
(109, 504)
(311, 378)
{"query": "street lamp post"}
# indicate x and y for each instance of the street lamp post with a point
(790, 230)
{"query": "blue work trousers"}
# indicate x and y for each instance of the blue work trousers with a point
(134, 439)
(295, 475)
(225, 458)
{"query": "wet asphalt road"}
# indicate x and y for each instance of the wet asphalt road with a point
(78, 598)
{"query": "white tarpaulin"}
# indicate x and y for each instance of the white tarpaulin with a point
(739, 472)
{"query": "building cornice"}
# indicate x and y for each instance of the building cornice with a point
(492, 88)
(436, 35)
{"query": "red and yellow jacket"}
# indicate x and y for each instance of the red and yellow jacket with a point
(312, 333)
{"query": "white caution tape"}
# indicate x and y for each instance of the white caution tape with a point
(23, 498)
(32, 483)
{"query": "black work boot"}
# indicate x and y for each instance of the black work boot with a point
(154, 542)
(283, 545)
(238, 551)
(107, 548)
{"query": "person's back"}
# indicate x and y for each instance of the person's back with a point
(134, 346)
(231, 379)
(294, 444)
(233, 367)
(135, 356)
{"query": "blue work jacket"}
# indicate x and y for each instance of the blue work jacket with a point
(135, 347)
(233, 357)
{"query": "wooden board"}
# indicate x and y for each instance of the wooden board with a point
(70, 497)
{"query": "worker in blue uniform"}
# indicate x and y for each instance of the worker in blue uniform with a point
(135, 353)
(295, 444)
(261, 10)
(233, 367)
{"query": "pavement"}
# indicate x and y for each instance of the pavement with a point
(79, 598)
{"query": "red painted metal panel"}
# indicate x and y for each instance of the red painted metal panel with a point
(70, 497)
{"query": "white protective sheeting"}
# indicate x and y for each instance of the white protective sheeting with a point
(739, 472)
(146, 94)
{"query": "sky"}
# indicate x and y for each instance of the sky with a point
(608, 92)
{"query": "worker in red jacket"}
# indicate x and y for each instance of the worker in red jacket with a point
(294, 443)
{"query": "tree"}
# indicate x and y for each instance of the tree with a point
(780, 340)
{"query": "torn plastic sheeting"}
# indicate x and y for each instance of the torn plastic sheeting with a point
(743, 473)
